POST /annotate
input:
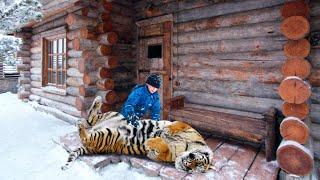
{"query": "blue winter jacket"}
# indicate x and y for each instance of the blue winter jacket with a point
(140, 101)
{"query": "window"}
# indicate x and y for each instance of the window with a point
(54, 61)
(155, 51)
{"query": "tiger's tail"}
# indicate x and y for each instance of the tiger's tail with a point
(74, 155)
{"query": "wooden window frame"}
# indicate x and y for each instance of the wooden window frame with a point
(45, 61)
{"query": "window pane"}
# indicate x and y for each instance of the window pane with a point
(60, 50)
(54, 62)
(54, 76)
(55, 44)
(60, 62)
(64, 45)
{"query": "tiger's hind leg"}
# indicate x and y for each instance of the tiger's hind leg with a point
(158, 150)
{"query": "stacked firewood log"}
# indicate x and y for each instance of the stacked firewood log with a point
(25, 64)
(295, 154)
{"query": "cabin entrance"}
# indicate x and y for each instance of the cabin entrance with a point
(154, 56)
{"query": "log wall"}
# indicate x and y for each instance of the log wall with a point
(230, 52)
(101, 56)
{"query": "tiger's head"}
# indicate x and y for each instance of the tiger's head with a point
(198, 160)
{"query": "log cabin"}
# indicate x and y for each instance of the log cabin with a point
(230, 68)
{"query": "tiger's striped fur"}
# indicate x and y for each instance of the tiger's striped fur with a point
(159, 140)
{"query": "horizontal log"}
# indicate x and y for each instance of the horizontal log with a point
(267, 75)
(239, 32)
(75, 54)
(104, 17)
(109, 38)
(23, 53)
(24, 47)
(83, 44)
(84, 103)
(36, 57)
(23, 67)
(236, 19)
(25, 60)
(104, 27)
(23, 94)
(22, 80)
(229, 46)
(35, 50)
(104, 50)
(60, 106)
(74, 91)
(82, 33)
(108, 97)
(74, 81)
(22, 34)
(76, 21)
(88, 91)
(92, 77)
(25, 74)
(219, 9)
(241, 103)
(35, 77)
(241, 56)
(88, 11)
(248, 88)
(105, 84)
(37, 64)
(36, 71)
(25, 87)
(71, 100)
(73, 72)
(88, 65)
(36, 84)
(73, 62)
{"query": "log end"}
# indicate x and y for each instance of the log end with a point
(296, 110)
(296, 67)
(295, 8)
(297, 48)
(293, 128)
(295, 27)
(294, 158)
(112, 38)
(104, 27)
(294, 90)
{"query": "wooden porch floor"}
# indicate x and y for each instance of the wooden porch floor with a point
(231, 161)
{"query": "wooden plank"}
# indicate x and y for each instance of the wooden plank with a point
(262, 168)
(238, 164)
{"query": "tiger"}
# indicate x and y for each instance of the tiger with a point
(164, 141)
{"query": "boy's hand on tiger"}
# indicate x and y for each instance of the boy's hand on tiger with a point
(133, 120)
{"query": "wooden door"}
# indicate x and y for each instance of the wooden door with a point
(154, 56)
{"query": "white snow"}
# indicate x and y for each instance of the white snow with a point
(28, 152)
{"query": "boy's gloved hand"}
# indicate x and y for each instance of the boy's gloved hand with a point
(133, 120)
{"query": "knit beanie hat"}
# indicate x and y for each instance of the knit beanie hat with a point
(154, 80)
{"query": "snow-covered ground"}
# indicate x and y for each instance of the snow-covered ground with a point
(28, 152)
